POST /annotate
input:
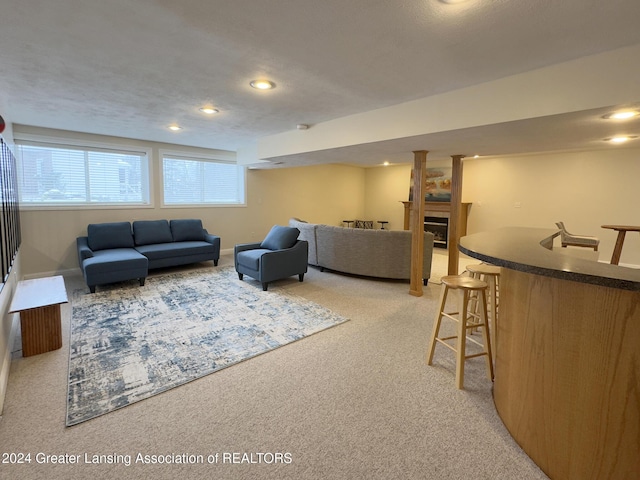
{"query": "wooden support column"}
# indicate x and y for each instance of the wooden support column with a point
(417, 221)
(454, 216)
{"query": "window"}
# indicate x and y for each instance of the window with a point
(200, 181)
(52, 174)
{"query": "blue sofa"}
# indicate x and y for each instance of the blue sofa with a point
(115, 252)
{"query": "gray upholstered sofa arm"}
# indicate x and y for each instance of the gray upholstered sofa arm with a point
(212, 239)
(280, 263)
(241, 247)
(84, 252)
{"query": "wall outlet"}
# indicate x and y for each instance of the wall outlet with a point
(517, 205)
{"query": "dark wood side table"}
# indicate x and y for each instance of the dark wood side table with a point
(38, 302)
(622, 231)
(382, 224)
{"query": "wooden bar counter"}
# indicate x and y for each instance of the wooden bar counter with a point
(567, 374)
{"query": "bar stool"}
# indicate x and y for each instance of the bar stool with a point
(491, 275)
(464, 286)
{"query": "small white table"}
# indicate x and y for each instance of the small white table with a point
(38, 302)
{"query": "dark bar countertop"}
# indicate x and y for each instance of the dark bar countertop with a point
(530, 250)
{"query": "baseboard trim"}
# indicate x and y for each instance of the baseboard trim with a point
(67, 272)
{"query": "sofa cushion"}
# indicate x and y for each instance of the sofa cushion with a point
(102, 236)
(158, 251)
(280, 237)
(186, 229)
(307, 233)
(251, 258)
(146, 232)
(113, 260)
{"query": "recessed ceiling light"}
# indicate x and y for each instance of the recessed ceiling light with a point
(175, 128)
(209, 110)
(262, 84)
(622, 115)
(453, 2)
(386, 164)
(620, 138)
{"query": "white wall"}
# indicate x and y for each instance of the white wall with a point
(8, 327)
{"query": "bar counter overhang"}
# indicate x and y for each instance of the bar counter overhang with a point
(567, 374)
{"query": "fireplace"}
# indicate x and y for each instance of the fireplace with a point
(439, 226)
(437, 216)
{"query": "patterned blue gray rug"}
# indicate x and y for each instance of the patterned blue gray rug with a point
(129, 343)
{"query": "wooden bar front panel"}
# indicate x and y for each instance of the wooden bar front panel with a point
(567, 380)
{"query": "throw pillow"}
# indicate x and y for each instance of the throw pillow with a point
(102, 236)
(148, 232)
(187, 229)
(368, 224)
(280, 237)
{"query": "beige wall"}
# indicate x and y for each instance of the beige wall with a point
(326, 193)
(320, 193)
(386, 187)
(584, 190)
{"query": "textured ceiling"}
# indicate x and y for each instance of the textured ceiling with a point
(130, 68)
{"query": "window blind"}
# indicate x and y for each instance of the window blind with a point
(61, 174)
(190, 181)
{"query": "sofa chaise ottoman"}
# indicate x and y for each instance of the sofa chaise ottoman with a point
(115, 252)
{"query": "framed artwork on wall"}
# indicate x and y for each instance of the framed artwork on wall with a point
(437, 186)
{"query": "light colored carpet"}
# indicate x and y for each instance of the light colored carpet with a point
(440, 264)
(355, 402)
(128, 344)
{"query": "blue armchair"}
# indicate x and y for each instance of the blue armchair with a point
(279, 255)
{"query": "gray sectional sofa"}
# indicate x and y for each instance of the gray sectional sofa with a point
(371, 253)
(115, 252)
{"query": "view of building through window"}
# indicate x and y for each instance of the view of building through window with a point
(69, 175)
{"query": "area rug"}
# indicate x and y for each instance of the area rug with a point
(129, 343)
